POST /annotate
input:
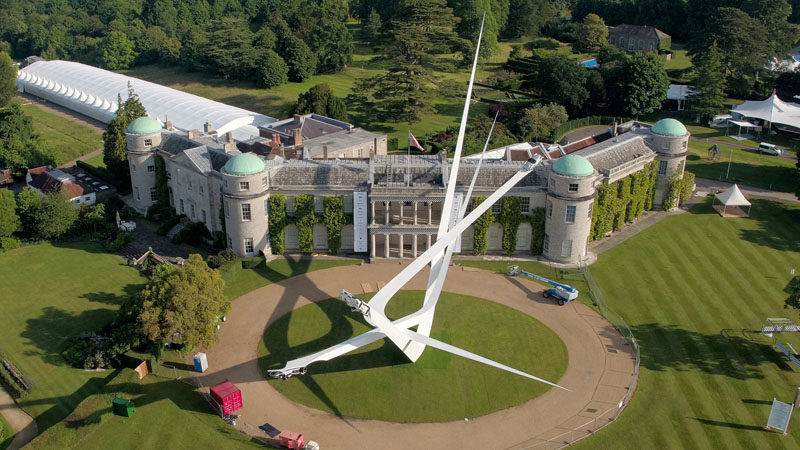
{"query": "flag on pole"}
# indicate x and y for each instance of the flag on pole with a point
(413, 142)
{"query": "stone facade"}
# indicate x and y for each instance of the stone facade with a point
(405, 194)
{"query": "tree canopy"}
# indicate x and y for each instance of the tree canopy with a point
(321, 100)
(54, 216)
(9, 221)
(593, 34)
(114, 142)
(709, 82)
(8, 79)
(183, 305)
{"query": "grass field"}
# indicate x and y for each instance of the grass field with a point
(169, 414)
(747, 167)
(377, 381)
(280, 269)
(6, 433)
(69, 138)
(50, 293)
(694, 288)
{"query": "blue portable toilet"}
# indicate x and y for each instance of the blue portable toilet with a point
(200, 362)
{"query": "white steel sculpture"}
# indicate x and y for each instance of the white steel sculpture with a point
(413, 343)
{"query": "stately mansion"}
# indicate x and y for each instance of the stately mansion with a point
(395, 200)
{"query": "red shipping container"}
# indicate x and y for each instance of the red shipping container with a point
(291, 440)
(227, 397)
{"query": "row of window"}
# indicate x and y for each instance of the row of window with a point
(571, 212)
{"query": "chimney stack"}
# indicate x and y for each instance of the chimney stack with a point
(167, 123)
(298, 137)
(207, 127)
(282, 150)
(191, 134)
(229, 136)
(298, 119)
(615, 128)
(229, 146)
(325, 152)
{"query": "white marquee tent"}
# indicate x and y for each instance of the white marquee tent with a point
(733, 197)
(93, 92)
(772, 110)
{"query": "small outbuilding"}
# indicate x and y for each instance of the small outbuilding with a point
(122, 407)
(226, 397)
(733, 199)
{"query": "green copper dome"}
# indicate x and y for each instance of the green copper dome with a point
(669, 127)
(144, 125)
(244, 164)
(573, 166)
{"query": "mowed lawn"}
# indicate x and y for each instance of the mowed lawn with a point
(378, 382)
(6, 433)
(49, 293)
(694, 288)
(278, 270)
(70, 139)
(169, 414)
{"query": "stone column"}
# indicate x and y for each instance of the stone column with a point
(400, 236)
(374, 252)
(414, 242)
(386, 245)
(386, 205)
(373, 213)
(401, 213)
(415, 218)
(430, 216)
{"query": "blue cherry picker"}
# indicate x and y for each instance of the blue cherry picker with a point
(562, 292)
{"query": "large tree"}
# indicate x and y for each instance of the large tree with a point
(28, 202)
(8, 78)
(114, 142)
(404, 92)
(709, 82)
(526, 18)
(638, 86)
(272, 70)
(560, 79)
(183, 305)
(117, 51)
(54, 216)
(9, 221)
(321, 100)
(538, 122)
(593, 34)
(20, 147)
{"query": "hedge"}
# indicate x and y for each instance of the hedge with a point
(277, 222)
(305, 219)
(334, 220)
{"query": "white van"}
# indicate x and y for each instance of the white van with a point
(769, 149)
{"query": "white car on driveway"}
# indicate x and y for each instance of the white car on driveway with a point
(769, 149)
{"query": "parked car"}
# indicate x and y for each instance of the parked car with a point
(769, 149)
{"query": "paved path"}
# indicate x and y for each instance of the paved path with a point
(25, 428)
(601, 367)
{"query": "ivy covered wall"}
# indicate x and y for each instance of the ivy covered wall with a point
(277, 222)
(623, 201)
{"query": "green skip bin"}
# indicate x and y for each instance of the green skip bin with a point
(122, 407)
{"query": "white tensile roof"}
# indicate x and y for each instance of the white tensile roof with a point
(733, 197)
(679, 92)
(93, 92)
(772, 110)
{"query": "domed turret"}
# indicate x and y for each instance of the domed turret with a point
(143, 136)
(244, 165)
(573, 166)
(144, 125)
(669, 127)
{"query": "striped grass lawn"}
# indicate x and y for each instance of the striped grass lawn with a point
(49, 293)
(692, 287)
(6, 433)
(69, 138)
(747, 167)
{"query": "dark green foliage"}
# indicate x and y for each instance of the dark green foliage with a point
(193, 233)
(687, 187)
(637, 86)
(114, 142)
(334, 221)
(116, 51)
(593, 35)
(54, 216)
(476, 136)
(679, 190)
(162, 189)
(709, 82)
(299, 58)
(372, 27)
(277, 222)
(272, 70)
(559, 79)
(28, 202)
(510, 218)
(537, 231)
(12, 380)
(321, 100)
(121, 241)
(20, 146)
(304, 219)
(481, 228)
(543, 42)
(538, 122)
(527, 17)
(167, 224)
(9, 221)
(8, 243)
(8, 78)
(228, 264)
(392, 144)
(793, 289)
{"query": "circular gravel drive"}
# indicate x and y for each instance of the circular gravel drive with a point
(601, 367)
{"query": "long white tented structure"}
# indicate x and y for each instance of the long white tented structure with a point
(733, 197)
(772, 110)
(93, 92)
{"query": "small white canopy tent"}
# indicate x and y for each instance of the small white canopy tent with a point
(733, 197)
(772, 110)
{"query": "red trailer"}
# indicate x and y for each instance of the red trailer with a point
(227, 397)
(291, 440)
